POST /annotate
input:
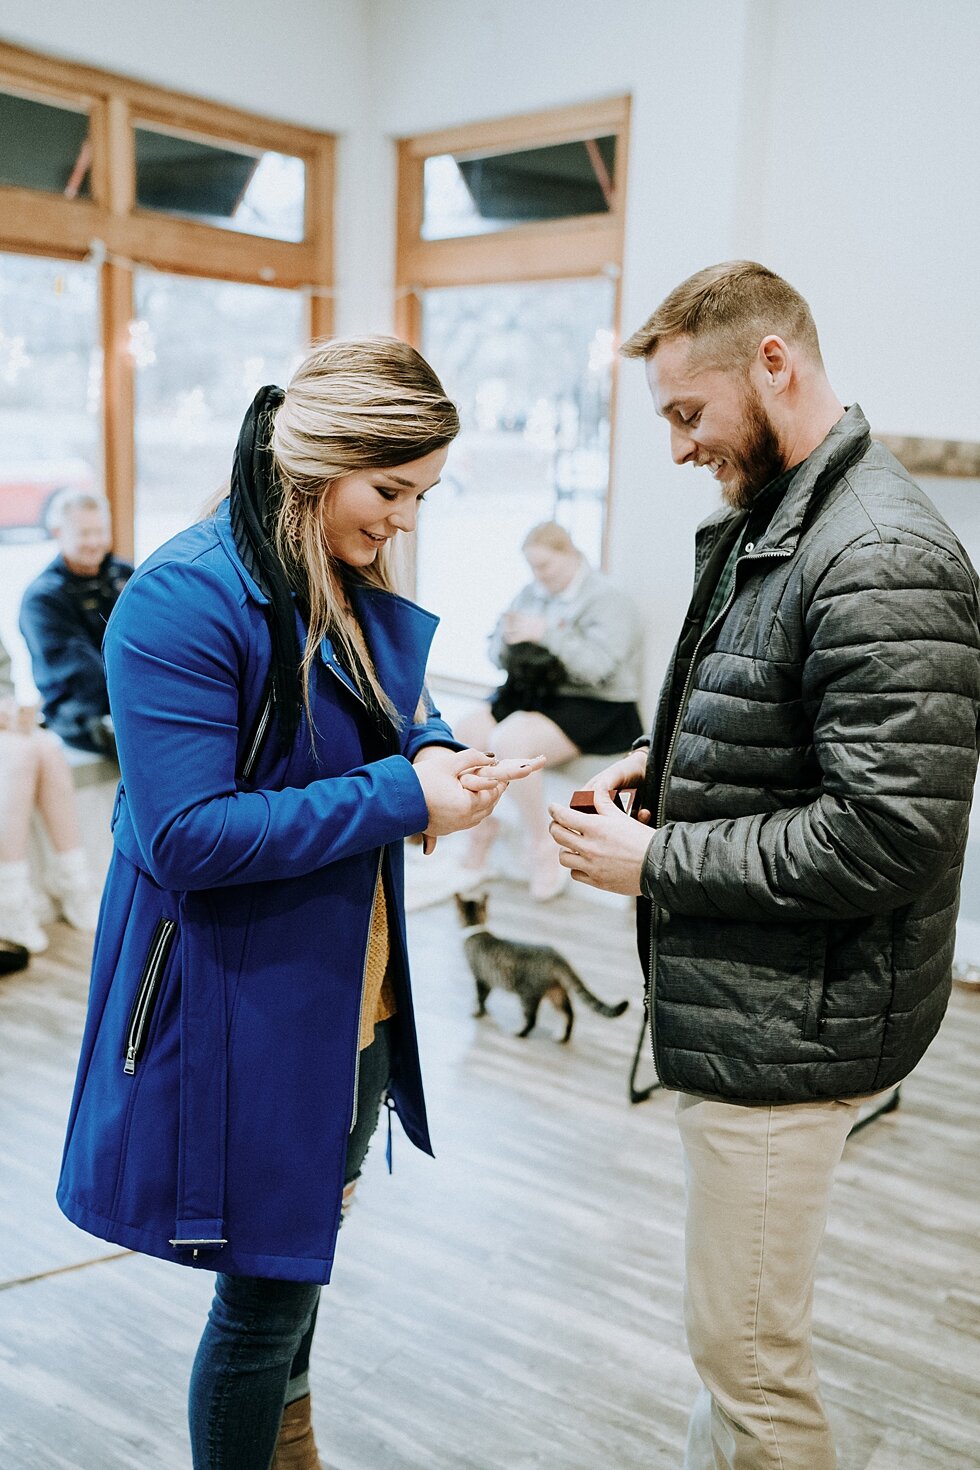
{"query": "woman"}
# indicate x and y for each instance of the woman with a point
(250, 1001)
(36, 777)
(587, 695)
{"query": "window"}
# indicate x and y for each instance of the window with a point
(44, 146)
(50, 387)
(475, 195)
(231, 188)
(509, 253)
(202, 349)
(170, 200)
(528, 365)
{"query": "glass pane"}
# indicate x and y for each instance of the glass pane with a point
(475, 196)
(202, 349)
(50, 389)
(44, 146)
(529, 366)
(233, 188)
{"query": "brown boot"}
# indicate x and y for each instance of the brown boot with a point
(295, 1447)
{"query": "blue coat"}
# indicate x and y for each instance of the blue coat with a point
(218, 1068)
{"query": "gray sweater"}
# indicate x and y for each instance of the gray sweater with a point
(595, 632)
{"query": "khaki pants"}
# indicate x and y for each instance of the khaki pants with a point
(758, 1190)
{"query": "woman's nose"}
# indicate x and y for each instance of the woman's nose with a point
(404, 517)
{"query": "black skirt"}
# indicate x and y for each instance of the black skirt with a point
(600, 726)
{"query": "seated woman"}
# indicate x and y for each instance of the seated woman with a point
(587, 694)
(34, 774)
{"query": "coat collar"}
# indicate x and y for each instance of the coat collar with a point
(399, 634)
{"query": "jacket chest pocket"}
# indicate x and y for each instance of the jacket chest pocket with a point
(148, 991)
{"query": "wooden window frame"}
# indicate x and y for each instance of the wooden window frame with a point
(546, 250)
(109, 229)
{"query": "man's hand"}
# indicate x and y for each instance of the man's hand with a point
(606, 850)
(624, 775)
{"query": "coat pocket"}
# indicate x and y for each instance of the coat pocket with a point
(815, 981)
(147, 992)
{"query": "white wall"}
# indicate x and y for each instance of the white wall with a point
(838, 142)
(873, 200)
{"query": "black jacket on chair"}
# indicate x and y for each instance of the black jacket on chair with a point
(811, 773)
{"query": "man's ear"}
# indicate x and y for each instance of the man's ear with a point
(774, 363)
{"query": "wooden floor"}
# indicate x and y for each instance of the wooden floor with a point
(516, 1303)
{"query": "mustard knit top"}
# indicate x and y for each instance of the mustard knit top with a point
(378, 996)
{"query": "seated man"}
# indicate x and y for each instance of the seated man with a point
(63, 617)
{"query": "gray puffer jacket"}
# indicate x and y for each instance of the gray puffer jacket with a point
(811, 769)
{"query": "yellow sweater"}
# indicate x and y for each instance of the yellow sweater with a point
(378, 1000)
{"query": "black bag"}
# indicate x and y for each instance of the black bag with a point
(13, 957)
(534, 676)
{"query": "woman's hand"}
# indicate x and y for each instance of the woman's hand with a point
(463, 787)
(452, 806)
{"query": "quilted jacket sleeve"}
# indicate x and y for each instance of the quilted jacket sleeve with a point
(891, 682)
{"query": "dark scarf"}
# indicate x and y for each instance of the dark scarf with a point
(254, 503)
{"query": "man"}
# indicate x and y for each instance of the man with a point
(808, 783)
(63, 617)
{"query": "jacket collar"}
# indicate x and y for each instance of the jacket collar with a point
(846, 442)
(833, 456)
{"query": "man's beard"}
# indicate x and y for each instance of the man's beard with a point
(758, 459)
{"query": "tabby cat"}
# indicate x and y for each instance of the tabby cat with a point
(532, 972)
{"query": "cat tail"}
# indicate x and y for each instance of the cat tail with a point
(580, 988)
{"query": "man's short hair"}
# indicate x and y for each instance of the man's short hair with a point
(727, 310)
(72, 499)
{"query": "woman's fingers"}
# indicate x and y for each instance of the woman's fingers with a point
(516, 769)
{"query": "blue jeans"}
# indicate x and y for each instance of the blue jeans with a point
(255, 1350)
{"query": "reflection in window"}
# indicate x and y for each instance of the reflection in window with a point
(475, 196)
(201, 350)
(239, 189)
(44, 146)
(50, 387)
(529, 367)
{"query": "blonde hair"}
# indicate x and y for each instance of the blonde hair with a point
(356, 403)
(727, 310)
(552, 536)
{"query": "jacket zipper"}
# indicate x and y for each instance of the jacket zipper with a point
(142, 1011)
(260, 731)
(655, 910)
